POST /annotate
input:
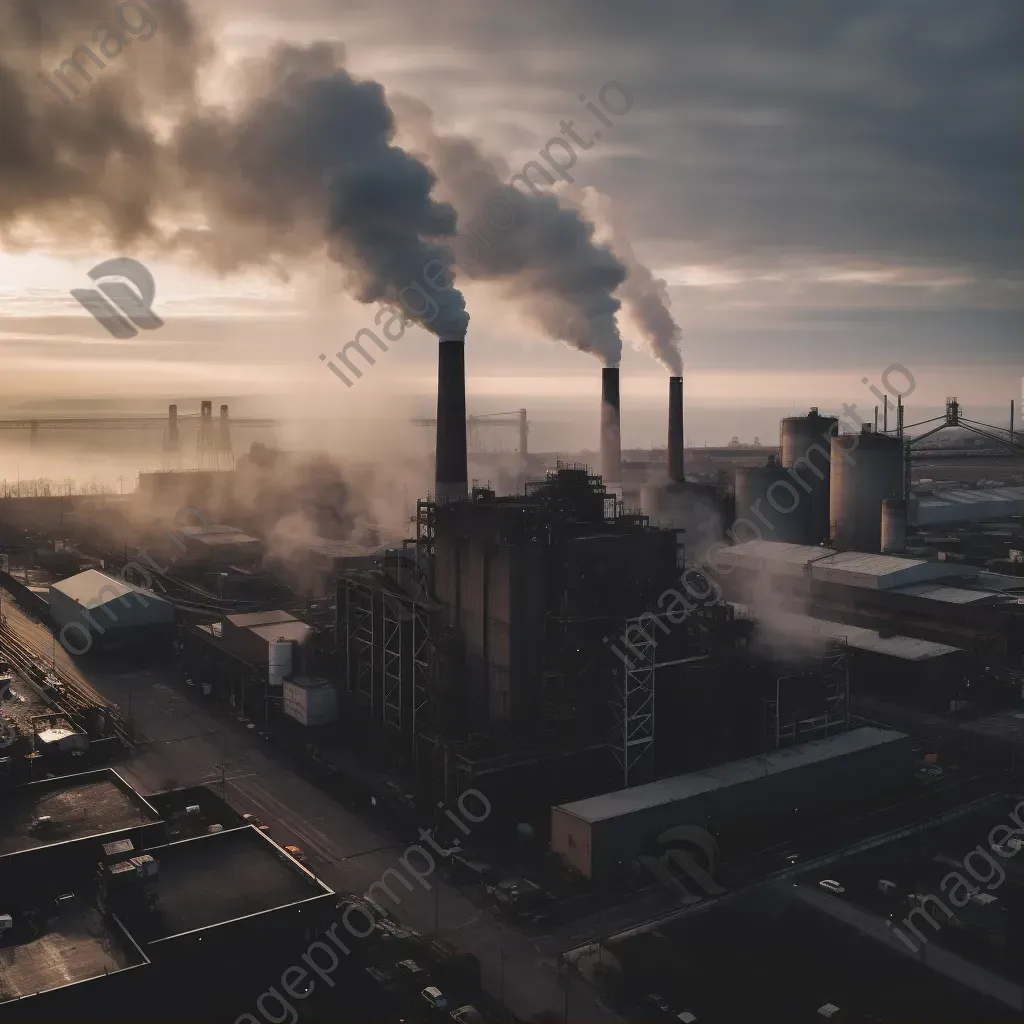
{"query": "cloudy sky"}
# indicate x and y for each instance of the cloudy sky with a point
(825, 188)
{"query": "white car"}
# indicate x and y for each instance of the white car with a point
(434, 998)
(832, 886)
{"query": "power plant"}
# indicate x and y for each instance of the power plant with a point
(629, 667)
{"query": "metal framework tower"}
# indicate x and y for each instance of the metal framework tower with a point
(632, 704)
(387, 651)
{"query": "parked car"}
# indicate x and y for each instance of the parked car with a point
(467, 1015)
(413, 973)
(296, 852)
(255, 822)
(434, 998)
(659, 1004)
(832, 886)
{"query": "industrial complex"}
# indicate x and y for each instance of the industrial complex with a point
(653, 675)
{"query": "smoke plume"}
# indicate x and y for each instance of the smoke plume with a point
(540, 251)
(304, 164)
(644, 296)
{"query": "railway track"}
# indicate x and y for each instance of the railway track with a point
(60, 692)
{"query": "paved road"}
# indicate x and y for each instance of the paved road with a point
(187, 742)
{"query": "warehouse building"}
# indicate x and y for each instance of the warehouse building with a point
(602, 836)
(941, 601)
(112, 919)
(95, 611)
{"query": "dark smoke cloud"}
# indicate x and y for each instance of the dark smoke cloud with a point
(541, 251)
(89, 164)
(305, 164)
(644, 295)
(310, 158)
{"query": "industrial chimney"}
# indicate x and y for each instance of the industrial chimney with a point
(676, 459)
(172, 426)
(611, 441)
(451, 475)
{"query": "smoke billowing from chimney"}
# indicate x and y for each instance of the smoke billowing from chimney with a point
(676, 456)
(611, 440)
(644, 296)
(542, 251)
(304, 164)
(451, 475)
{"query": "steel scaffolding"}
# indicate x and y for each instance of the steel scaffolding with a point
(632, 702)
(387, 652)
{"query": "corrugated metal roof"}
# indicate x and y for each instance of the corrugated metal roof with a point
(683, 787)
(906, 648)
(951, 595)
(853, 568)
(975, 496)
(93, 589)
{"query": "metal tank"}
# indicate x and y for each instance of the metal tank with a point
(894, 526)
(280, 662)
(805, 449)
(867, 468)
(772, 504)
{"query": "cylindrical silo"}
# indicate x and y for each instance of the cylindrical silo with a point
(894, 526)
(772, 505)
(867, 468)
(805, 450)
(280, 662)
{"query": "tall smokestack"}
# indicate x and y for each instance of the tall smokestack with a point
(451, 475)
(676, 458)
(172, 425)
(611, 441)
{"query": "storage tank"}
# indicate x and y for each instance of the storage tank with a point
(805, 448)
(280, 661)
(769, 495)
(867, 468)
(894, 526)
(310, 702)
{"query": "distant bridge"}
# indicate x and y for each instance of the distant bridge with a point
(117, 423)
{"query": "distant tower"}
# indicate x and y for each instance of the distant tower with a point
(224, 453)
(206, 442)
(172, 441)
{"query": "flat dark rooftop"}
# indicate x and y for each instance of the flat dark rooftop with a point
(74, 947)
(217, 878)
(79, 806)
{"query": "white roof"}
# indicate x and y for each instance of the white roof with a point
(93, 589)
(683, 787)
(906, 648)
(853, 568)
(955, 505)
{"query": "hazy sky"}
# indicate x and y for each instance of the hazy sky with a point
(827, 188)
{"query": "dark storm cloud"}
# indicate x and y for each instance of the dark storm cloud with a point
(876, 129)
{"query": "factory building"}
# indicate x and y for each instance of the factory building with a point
(94, 611)
(940, 601)
(601, 837)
